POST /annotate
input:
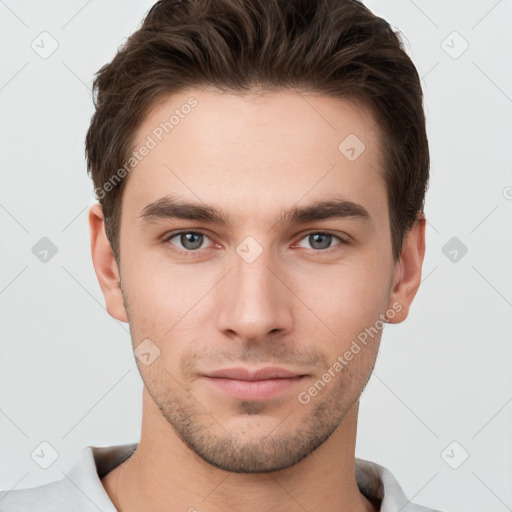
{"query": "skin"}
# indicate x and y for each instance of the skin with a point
(296, 306)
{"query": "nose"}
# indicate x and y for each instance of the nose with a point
(256, 300)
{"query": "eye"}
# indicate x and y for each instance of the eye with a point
(189, 240)
(193, 241)
(320, 240)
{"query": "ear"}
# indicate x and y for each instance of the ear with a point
(105, 265)
(407, 273)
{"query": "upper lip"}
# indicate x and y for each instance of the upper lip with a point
(269, 372)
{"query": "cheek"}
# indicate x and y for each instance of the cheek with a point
(170, 306)
(161, 289)
(345, 299)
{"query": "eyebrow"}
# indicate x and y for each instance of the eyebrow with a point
(167, 208)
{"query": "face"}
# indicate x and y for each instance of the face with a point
(255, 251)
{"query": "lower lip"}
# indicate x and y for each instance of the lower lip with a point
(253, 389)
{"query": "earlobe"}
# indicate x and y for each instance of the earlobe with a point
(105, 265)
(407, 276)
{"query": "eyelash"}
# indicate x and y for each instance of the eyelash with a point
(169, 237)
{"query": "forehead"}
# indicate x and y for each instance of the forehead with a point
(257, 152)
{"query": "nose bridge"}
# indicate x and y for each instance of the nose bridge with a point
(256, 301)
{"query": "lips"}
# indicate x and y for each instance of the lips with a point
(261, 374)
(261, 384)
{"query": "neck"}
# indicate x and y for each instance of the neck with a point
(164, 474)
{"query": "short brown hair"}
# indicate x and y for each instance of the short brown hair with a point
(337, 48)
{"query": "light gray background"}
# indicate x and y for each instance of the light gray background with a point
(67, 373)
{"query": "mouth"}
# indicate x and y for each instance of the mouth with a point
(262, 384)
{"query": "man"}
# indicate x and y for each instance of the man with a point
(261, 168)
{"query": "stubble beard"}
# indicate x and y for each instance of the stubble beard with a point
(283, 446)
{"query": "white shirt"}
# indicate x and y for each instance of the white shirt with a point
(81, 489)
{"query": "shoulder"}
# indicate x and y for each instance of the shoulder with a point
(53, 496)
(79, 490)
(378, 484)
